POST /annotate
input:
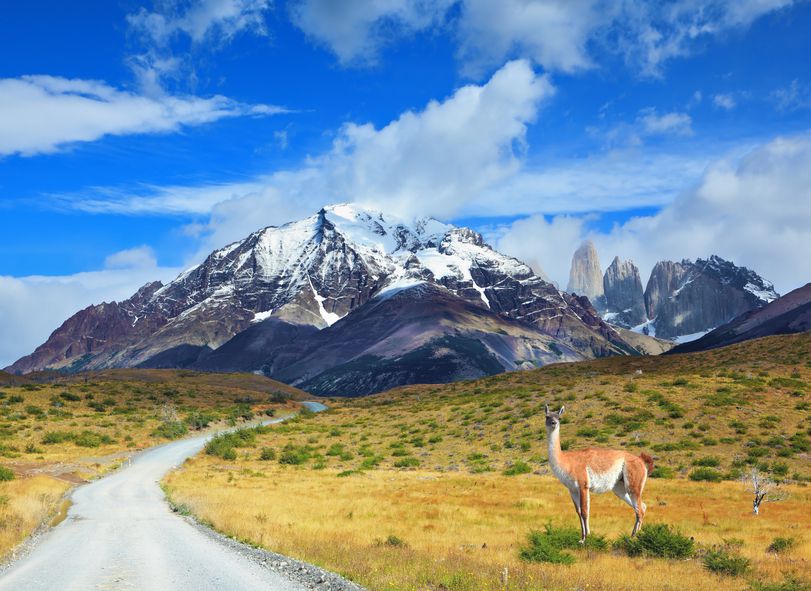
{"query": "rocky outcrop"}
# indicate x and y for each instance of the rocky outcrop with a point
(585, 276)
(624, 298)
(313, 272)
(684, 298)
(786, 315)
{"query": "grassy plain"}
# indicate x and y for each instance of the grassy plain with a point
(437, 487)
(65, 430)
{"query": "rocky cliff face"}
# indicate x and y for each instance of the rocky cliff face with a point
(687, 298)
(586, 276)
(624, 299)
(314, 272)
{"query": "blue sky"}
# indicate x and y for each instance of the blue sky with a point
(137, 136)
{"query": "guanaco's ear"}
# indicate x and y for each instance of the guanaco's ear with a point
(560, 412)
(546, 409)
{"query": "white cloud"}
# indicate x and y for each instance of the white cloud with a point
(756, 212)
(204, 23)
(33, 307)
(666, 124)
(556, 34)
(356, 30)
(139, 257)
(219, 20)
(793, 97)
(724, 101)
(43, 114)
(424, 162)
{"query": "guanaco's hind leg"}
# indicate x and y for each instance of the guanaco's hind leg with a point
(635, 475)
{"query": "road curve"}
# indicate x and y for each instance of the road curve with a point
(121, 535)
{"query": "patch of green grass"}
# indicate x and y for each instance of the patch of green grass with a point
(657, 541)
(706, 475)
(518, 467)
(780, 545)
(723, 562)
(6, 474)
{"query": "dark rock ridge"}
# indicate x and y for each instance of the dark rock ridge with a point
(420, 333)
(313, 272)
(687, 298)
(624, 299)
(585, 276)
(786, 315)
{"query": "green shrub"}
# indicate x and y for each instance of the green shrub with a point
(52, 437)
(69, 397)
(395, 542)
(6, 474)
(294, 456)
(267, 454)
(90, 439)
(198, 420)
(170, 430)
(662, 472)
(548, 545)
(709, 462)
(780, 545)
(658, 541)
(517, 468)
(407, 462)
(706, 475)
(723, 562)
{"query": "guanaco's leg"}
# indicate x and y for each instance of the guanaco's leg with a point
(584, 511)
(577, 507)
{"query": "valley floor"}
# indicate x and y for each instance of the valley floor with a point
(427, 530)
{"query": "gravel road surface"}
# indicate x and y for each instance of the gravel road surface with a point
(121, 535)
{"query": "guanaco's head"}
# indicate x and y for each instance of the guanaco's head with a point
(553, 418)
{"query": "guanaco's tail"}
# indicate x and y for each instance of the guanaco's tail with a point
(648, 461)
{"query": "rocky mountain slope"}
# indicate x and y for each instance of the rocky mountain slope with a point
(585, 276)
(687, 298)
(682, 300)
(312, 273)
(624, 300)
(786, 315)
(418, 333)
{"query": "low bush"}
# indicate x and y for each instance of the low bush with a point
(549, 545)
(407, 462)
(706, 475)
(657, 541)
(294, 456)
(267, 454)
(780, 545)
(170, 430)
(790, 583)
(52, 437)
(517, 468)
(708, 462)
(723, 562)
(6, 474)
(662, 472)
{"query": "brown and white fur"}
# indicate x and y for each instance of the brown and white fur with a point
(597, 471)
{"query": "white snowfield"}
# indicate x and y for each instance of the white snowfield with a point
(121, 535)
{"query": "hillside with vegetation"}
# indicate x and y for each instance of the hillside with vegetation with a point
(59, 431)
(439, 487)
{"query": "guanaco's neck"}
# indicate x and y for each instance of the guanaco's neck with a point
(553, 443)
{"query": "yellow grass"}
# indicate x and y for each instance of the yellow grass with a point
(24, 504)
(463, 530)
(133, 404)
(464, 520)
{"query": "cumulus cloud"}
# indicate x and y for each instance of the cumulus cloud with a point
(140, 257)
(755, 211)
(556, 34)
(356, 30)
(33, 307)
(427, 162)
(44, 114)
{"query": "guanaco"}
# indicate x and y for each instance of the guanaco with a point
(597, 470)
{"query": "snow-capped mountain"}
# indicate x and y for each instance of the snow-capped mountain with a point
(315, 272)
